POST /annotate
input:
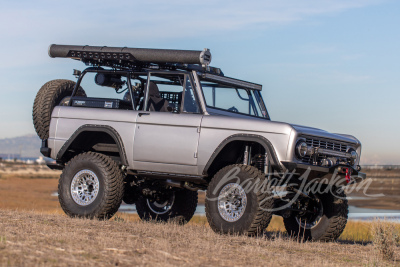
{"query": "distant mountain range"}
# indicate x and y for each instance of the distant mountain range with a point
(26, 146)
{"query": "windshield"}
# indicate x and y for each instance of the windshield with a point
(233, 99)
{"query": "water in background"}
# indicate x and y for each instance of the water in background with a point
(354, 213)
(361, 205)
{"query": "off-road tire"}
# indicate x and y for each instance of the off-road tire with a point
(50, 95)
(111, 186)
(181, 212)
(258, 212)
(332, 223)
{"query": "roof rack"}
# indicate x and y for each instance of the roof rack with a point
(137, 58)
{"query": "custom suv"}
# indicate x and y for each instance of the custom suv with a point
(151, 127)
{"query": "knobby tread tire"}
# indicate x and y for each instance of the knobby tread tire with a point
(113, 187)
(337, 208)
(263, 215)
(49, 96)
(182, 210)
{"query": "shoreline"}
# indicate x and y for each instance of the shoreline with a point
(25, 177)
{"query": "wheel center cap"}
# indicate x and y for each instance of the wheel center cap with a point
(84, 187)
(232, 201)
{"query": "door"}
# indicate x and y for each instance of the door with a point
(167, 130)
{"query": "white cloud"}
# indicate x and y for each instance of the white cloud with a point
(154, 18)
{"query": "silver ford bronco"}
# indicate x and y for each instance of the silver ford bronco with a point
(151, 127)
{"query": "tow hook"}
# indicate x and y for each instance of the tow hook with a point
(348, 174)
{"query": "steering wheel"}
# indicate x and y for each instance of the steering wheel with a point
(233, 109)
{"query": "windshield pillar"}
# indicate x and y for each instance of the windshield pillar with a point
(199, 92)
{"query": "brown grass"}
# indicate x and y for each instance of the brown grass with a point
(28, 194)
(385, 238)
(35, 195)
(35, 231)
(26, 171)
(33, 239)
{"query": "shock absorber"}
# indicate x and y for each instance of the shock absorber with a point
(259, 162)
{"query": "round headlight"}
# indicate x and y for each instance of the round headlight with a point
(301, 149)
(354, 156)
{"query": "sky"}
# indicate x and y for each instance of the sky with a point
(330, 64)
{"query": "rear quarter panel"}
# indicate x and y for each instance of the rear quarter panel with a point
(66, 120)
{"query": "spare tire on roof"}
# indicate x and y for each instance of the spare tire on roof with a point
(51, 94)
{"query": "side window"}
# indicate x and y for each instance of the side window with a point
(190, 103)
(171, 93)
(112, 88)
(138, 88)
(237, 100)
(231, 99)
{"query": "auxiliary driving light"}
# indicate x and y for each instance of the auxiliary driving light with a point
(301, 149)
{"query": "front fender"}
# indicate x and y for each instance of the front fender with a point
(250, 138)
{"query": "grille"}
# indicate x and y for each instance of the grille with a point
(323, 144)
(326, 144)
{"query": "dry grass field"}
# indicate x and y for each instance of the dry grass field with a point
(34, 239)
(35, 232)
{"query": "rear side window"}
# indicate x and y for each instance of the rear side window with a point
(109, 90)
(100, 85)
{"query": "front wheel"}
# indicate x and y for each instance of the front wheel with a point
(323, 218)
(172, 205)
(239, 201)
(91, 186)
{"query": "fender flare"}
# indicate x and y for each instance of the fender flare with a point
(95, 128)
(269, 148)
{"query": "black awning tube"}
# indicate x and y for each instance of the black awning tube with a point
(131, 54)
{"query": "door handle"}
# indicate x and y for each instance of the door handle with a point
(141, 114)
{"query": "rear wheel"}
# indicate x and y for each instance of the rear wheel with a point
(91, 186)
(240, 205)
(323, 216)
(50, 95)
(171, 205)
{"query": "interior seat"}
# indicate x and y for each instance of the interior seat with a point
(156, 102)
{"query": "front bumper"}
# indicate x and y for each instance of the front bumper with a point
(327, 175)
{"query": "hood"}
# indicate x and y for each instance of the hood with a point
(310, 131)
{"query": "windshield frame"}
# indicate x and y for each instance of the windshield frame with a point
(233, 84)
